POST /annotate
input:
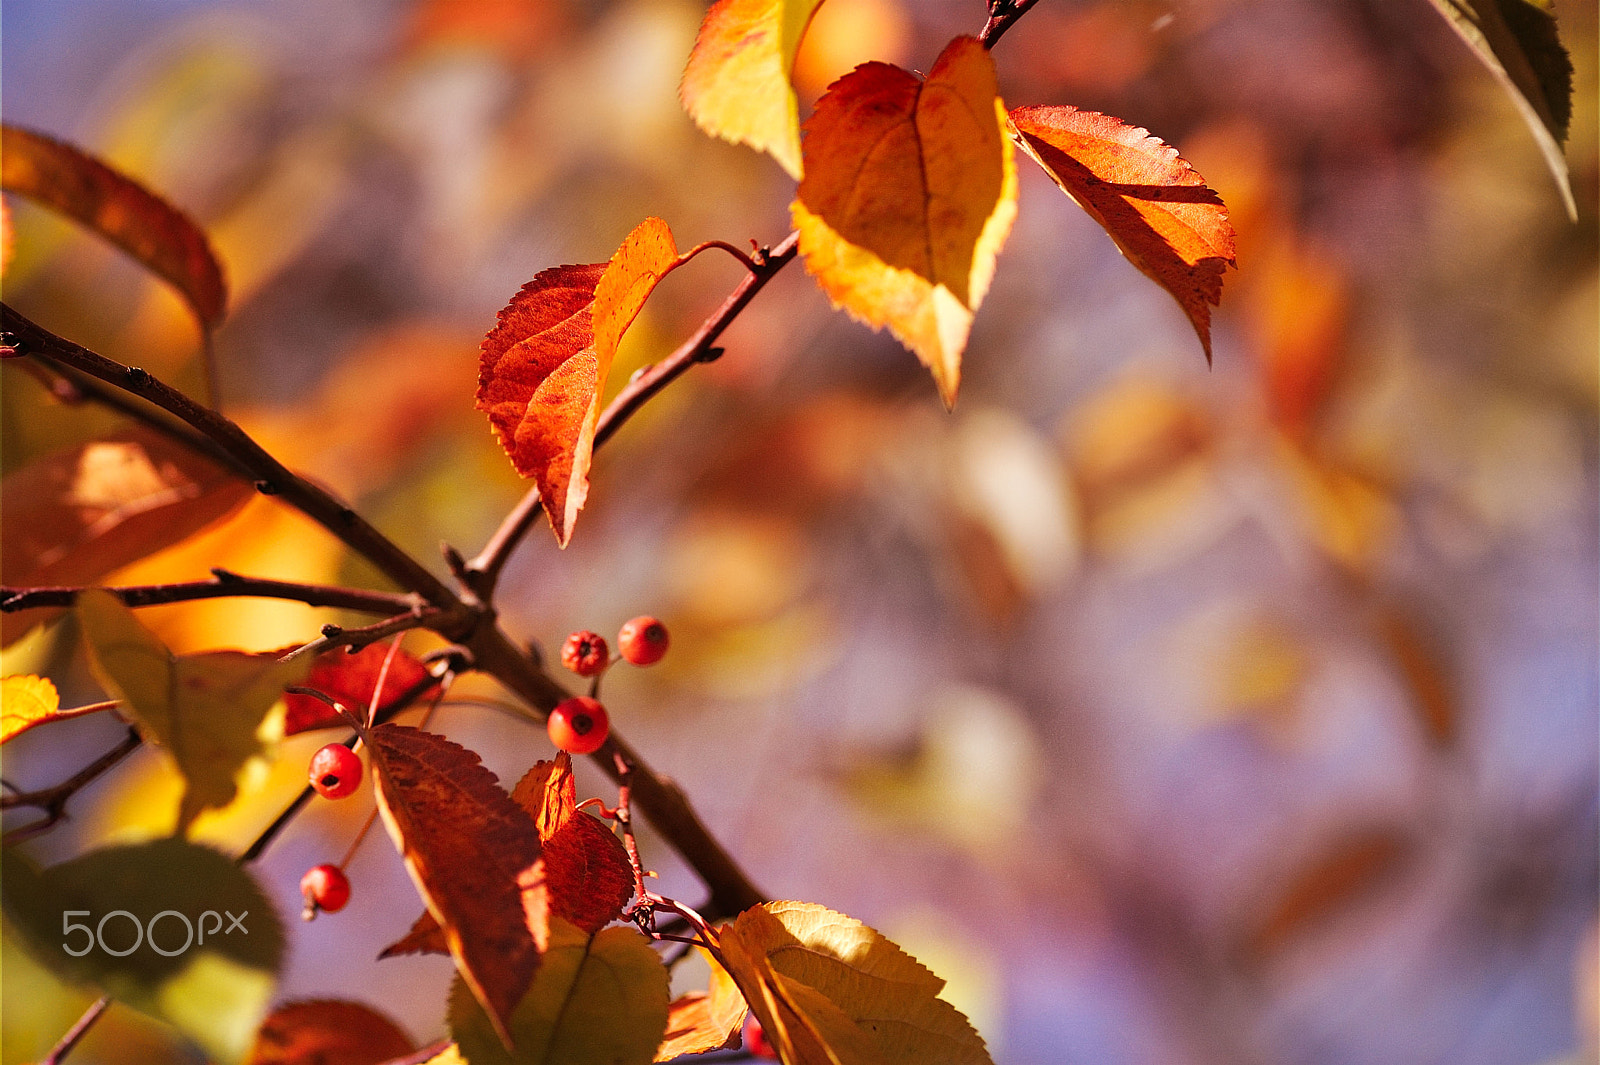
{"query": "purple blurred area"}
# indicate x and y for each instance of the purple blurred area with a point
(1206, 717)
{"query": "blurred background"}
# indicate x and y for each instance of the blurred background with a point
(1242, 715)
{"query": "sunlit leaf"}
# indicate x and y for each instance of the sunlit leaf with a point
(1518, 42)
(737, 84)
(704, 1020)
(1151, 202)
(206, 709)
(192, 965)
(25, 701)
(77, 515)
(596, 1000)
(588, 878)
(909, 194)
(351, 679)
(543, 368)
(473, 854)
(828, 990)
(328, 1032)
(120, 210)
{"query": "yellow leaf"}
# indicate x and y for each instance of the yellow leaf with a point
(704, 1020)
(25, 701)
(206, 709)
(737, 83)
(828, 990)
(909, 194)
(596, 1000)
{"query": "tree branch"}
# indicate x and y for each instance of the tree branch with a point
(1002, 15)
(79, 1029)
(53, 800)
(484, 570)
(224, 584)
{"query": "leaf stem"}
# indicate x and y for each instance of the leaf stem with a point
(79, 1029)
(732, 249)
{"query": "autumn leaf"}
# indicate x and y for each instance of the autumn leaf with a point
(25, 701)
(473, 854)
(1151, 202)
(596, 1000)
(737, 83)
(909, 193)
(588, 878)
(704, 1020)
(350, 679)
(208, 710)
(828, 990)
(214, 990)
(328, 1032)
(1333, 881)
(542, 369)
(1518, 42)
(77, 515)
(120, 210)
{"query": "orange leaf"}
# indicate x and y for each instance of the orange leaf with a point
(26, 701)
(1152, 203)
(542, 372)
(704, 1020)
(474, 856)
(120, 210)
(909, 194)
(350, 679)
(327, 1032)
(737, 85)
(587, 873)
(73, 517)
(1334, 881)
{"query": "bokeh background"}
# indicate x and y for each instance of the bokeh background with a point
(1241, 715)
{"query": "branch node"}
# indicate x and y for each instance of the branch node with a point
(711, 354)
(266, 488)
(138, 377)
(226, 576)
(331, 630)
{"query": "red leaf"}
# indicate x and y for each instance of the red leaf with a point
(474, 856)
(543, 368)
(350, 679)
(1151, 202)
(120, 210)
(549, 793)
(328, 1032)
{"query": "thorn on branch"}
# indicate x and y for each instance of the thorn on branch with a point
(711, 354)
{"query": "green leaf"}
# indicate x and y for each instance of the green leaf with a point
(209, 710)
(1518, 42)
(214, 990)
(596, 1000)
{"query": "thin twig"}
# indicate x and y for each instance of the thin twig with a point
(223, 585)
(65, 715)
(53, 800)
(1002, 15)
(485, 568)
(79, 1029)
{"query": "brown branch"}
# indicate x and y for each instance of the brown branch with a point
(484, 570)
(53, 800)
(224, 584)
(271, 476)
(1002, 15)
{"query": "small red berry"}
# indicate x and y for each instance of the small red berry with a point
(335, 771)
(643, 641)
(579, 725)
(755, 1040)
(325, 887)
(585, 653)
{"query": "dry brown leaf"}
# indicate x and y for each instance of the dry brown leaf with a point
(328, 1032)
(474, 856)
(1151, 202)
(543, 368)
(909, 194)
(77, 515)
(120, 210)
(737, 83)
